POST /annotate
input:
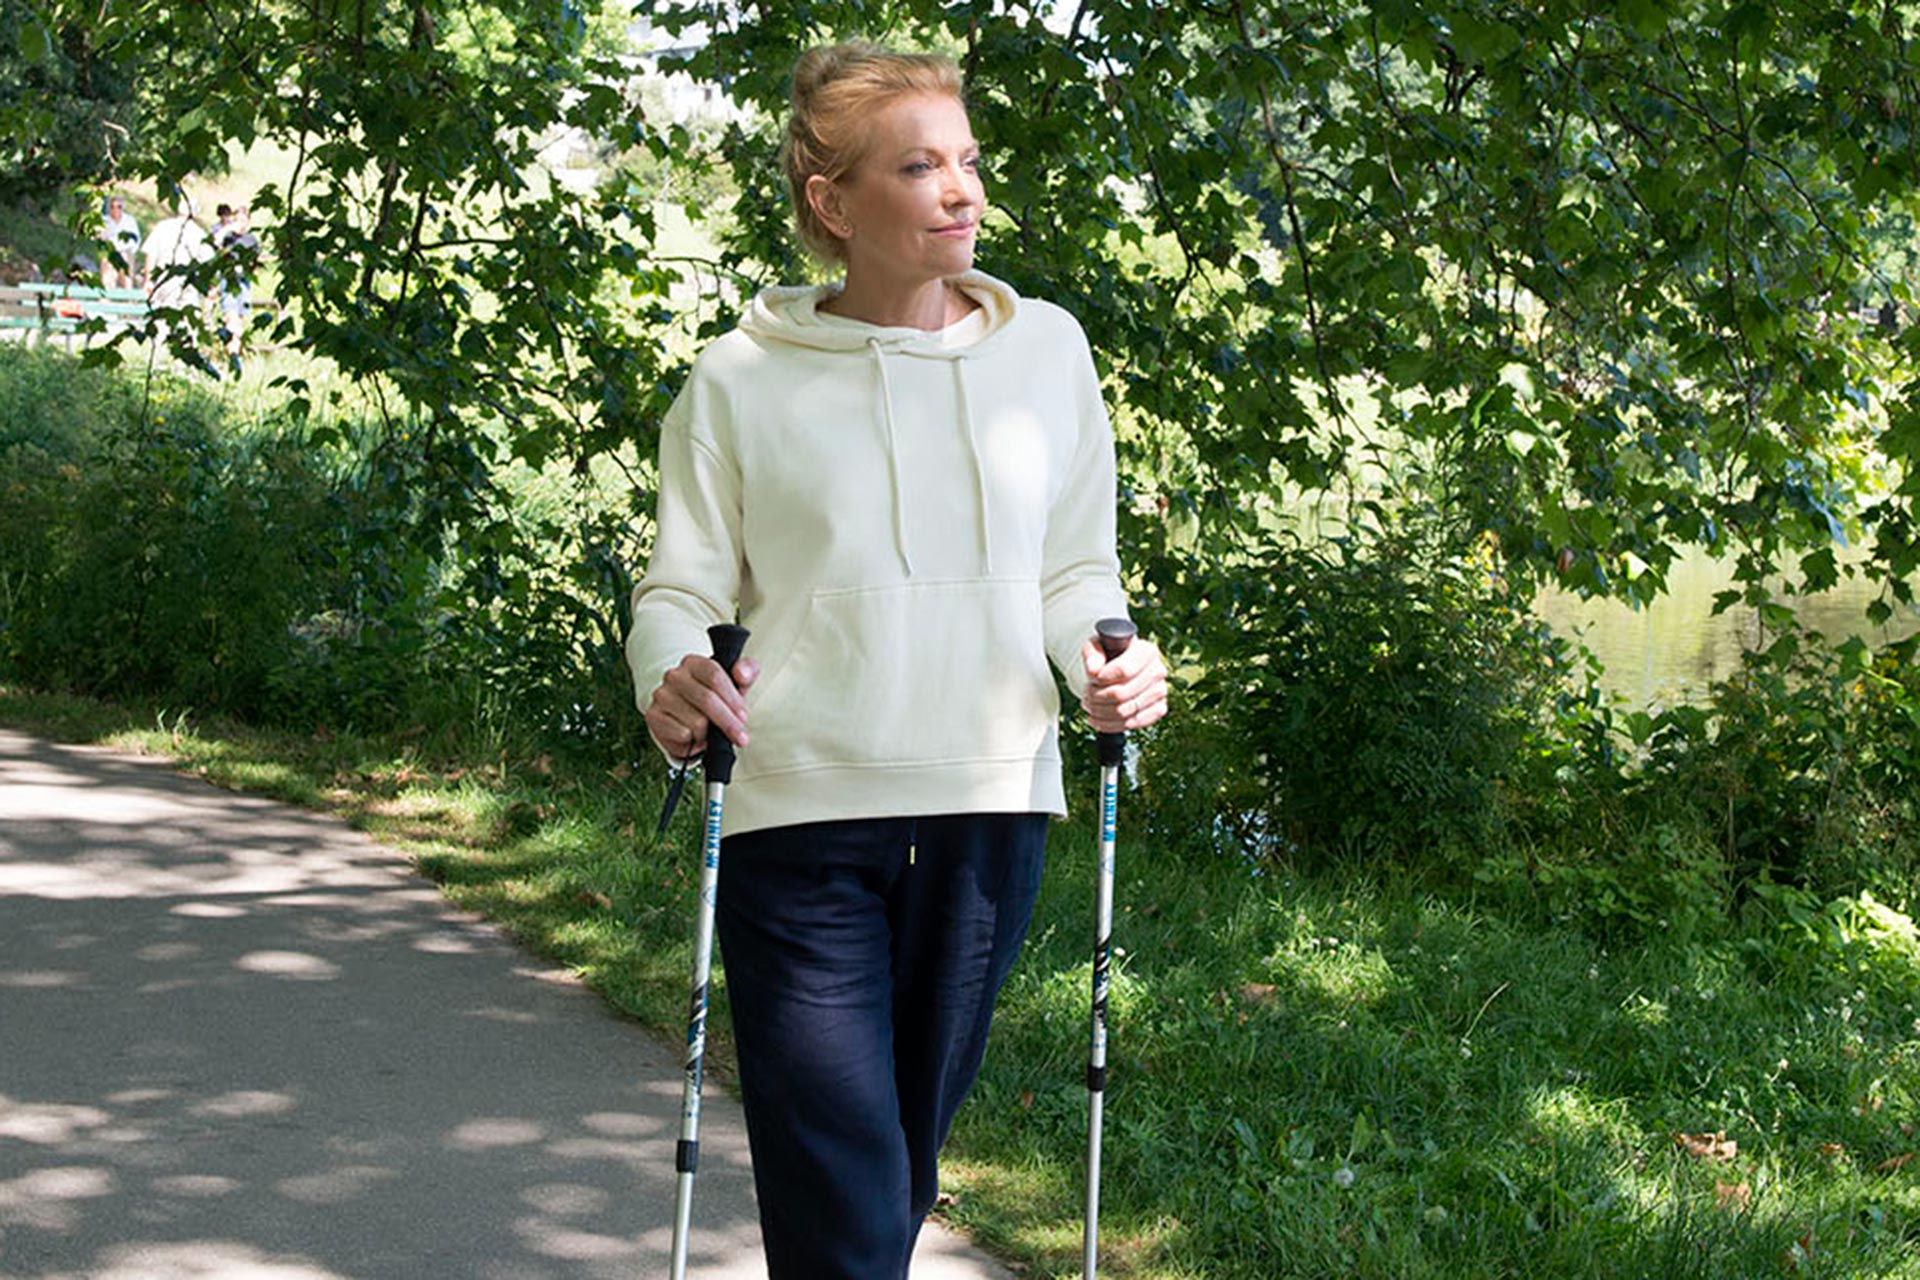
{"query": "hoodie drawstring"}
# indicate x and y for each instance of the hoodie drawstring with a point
(979, 467)
(958, 361)
(893, 455)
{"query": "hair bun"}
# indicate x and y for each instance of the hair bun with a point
(821, 65)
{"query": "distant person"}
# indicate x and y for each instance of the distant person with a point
(120, 233)
(172, 246)
(237, 247)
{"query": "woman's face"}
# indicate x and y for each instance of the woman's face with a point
(909, 210)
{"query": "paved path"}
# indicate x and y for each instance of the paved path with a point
(241, 1040)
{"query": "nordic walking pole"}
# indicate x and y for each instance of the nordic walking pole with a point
(1115, 634)
(728, 642)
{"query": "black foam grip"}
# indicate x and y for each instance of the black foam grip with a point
(1096, 1078)
(729, 642)
(1114, 635)
(686, 1157)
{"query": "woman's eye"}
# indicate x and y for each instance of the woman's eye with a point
(918, 166)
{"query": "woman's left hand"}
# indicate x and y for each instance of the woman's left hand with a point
(1128, 692)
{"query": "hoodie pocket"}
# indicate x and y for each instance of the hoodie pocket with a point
(915, 673)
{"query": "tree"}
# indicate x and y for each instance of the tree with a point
(73, 117)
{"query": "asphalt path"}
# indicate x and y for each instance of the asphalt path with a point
(242, 1040)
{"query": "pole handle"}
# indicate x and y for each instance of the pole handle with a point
(1114, 635)
(729, 642)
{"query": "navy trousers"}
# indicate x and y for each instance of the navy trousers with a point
(862, 961)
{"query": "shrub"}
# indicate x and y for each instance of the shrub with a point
(1795, 775)
(151, 545)
(177, 565)
(1800, 763)
(1365, 696)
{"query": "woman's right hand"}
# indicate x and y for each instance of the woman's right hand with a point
(695, 695)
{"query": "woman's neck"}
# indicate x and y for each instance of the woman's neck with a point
(931, 306)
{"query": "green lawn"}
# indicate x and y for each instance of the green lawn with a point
(1310, 1077)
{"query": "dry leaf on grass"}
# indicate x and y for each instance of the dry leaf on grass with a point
(1707, 1146)
(1734, 1197)
(1894, 1164)
(1259, 993)
(1833, 1149)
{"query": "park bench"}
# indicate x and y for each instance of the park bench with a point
(21, 312)
(38, 310)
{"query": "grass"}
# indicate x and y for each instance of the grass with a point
(1332, 1076)
(1319, 1079)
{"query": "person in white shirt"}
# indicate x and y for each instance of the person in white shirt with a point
(904, 483)
(174, 244)
(119, 233)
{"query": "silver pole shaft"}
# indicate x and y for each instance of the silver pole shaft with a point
(1097, 1054)
(687, 1156)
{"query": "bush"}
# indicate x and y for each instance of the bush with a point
(170, 563)
(155, 547)
(1801, 765)
(1797, 775)
(1365, 697)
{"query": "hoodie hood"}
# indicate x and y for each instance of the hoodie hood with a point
(792, 314)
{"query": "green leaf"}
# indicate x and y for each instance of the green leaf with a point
(1819, 570)
(36, 44)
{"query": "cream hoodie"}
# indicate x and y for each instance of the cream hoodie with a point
(910, 523)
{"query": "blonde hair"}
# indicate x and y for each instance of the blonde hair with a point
(836, 88)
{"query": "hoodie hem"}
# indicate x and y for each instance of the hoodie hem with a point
(833, 792)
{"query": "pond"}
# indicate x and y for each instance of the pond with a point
(1673, 650)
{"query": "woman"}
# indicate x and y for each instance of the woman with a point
(905, 484)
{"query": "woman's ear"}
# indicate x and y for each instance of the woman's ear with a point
(823, 196)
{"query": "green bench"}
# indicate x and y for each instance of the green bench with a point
(37, 310)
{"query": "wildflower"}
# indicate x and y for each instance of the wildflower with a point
(1343, 1176)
